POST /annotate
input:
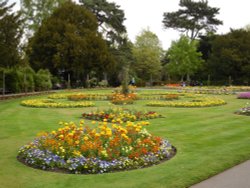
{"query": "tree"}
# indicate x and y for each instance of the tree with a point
(184, 60)
(110, 19)
(34, 12)
(68, 42)
(10, 34)
(192, 18)
(148, 52)
(230, 57)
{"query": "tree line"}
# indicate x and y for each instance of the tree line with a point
(86, 45)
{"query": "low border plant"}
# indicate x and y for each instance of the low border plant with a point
(50, 103)
(198, 102)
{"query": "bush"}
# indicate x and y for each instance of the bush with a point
(43, 80)
(12, 80)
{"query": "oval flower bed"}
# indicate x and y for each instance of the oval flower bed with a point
(49, 103)
(119, 115)
(245, 95)
(82, 96)
(199, 102)
(78, 149)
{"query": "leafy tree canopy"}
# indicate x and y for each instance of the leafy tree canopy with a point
(10, 34)
(184, 60)
(230, 56)
(34, 12)
(110, 19)
(148, 52)
(69, 41)
(192, 18)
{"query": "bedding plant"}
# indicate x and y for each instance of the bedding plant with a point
(244, 111)
(118, 115)
(50, 103)
(245, 95)
(197, 102)
(107, 148)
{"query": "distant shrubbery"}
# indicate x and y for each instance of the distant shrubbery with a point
(25, 80)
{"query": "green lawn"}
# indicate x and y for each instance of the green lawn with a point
(208, 141)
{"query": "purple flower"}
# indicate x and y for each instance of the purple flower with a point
(245, 95)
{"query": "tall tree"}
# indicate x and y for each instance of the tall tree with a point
(184, 60)
(10, 34)
(34, 12)
(69, 41)
(110, 19)
(230, 57)
(148, 53)
(193, 18)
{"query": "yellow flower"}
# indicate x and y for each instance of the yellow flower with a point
(77, 142)
(85, 138)
(53, 132)
(77, 153)
(61, 136)
(93, 122)
(97, 134)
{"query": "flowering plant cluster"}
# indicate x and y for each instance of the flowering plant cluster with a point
(80, 149)
(170, 97)
(199, 102)
(121, 99)
(82, 96)
(50, 103)
(59, 96)
(245, 95)
(244, 111)
(119, 115)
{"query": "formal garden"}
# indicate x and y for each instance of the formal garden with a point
(82, 105)
(165, 137)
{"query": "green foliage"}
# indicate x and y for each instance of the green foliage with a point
(28, 77)
(68, 41)
(193, 18)
(10, 34)
(13, 80)
(110, 19)
(230, 56)
(184, 58)
(43, 80)
(35, 12)
(147, 52)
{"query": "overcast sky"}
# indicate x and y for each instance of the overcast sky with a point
(142, 14)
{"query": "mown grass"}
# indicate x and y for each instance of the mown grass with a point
(208, 141)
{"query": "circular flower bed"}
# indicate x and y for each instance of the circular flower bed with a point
(80, 149)
(199, 102)
(119, 115)
(245, 95)
(244, 111)
(50, 103)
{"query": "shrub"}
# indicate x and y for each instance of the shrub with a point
(43, 80)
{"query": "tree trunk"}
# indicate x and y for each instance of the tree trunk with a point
(68, 83)
(3, 83)
(188, 79)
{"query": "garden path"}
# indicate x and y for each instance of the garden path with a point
(235, 177)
